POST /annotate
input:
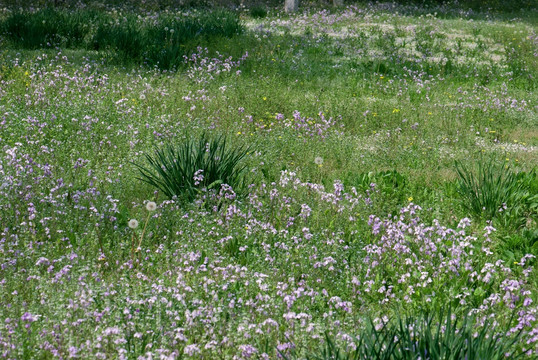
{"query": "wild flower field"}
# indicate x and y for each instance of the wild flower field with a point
(383, 203)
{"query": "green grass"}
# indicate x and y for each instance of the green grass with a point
(431, 337)
(160, 42)
(353, 117)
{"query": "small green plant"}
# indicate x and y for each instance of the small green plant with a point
(515, 245)
(488, 189)
(184, 170)
(390, 181)
(524, 211)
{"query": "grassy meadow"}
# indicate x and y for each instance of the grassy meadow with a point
(340, 183)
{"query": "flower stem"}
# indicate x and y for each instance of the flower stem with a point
(142, 237)
(132, 247)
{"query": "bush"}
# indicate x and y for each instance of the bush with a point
(185, 170)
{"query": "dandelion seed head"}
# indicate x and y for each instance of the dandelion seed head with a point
(151, 206)
(133, 223)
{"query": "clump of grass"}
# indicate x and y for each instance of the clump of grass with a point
(164, 43)
(48, 27)
(196, 164)
(391, 185)
(424, 337)
(523, 211)
(388, 181)
(258, 12)
(161, 41)
(488, 188)
(516, 244)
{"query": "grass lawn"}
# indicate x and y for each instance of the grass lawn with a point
(383, 203)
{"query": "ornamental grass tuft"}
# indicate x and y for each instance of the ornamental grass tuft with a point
(441, 337)
(489, 188)
(197, 164)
